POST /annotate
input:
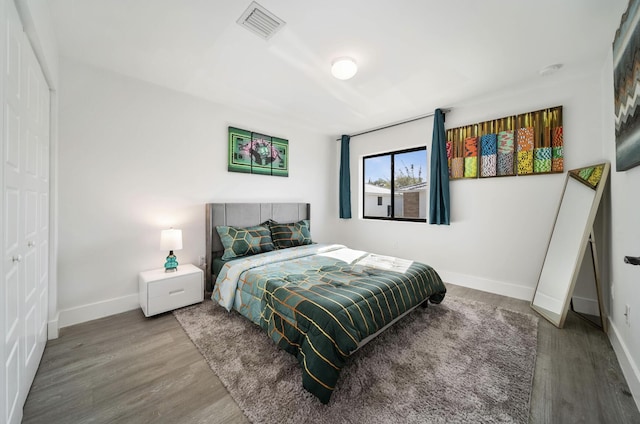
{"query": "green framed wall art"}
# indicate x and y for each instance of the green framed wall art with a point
(255, 153)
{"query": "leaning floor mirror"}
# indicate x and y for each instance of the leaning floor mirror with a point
(571, 235)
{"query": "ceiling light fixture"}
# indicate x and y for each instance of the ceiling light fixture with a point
(344, 68)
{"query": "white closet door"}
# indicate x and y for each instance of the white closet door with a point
(14, 239)
(36, 210)
(26, 215)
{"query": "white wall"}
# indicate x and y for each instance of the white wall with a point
(624, 241)
(500, 226)
(137, 158)
(423, 212)
(373, 209)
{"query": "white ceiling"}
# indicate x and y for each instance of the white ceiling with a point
(413, 55)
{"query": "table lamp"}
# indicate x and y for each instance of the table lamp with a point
(171, 240)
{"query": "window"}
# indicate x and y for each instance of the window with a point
(395, 185)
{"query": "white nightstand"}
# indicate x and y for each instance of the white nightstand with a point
(161, 291)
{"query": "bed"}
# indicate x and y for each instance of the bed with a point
(319, 302)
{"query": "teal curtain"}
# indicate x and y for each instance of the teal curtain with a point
(345, 179)
(439, 185)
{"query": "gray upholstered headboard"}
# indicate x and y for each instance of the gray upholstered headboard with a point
(245, 215)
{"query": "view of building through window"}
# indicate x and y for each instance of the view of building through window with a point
(395, 185)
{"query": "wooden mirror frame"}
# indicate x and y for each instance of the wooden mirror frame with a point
(569, 241)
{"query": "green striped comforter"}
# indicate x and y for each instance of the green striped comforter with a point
(319, 302)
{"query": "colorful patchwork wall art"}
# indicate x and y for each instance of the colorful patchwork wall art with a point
(526, 144)
(505, 149)
(462, 152)
(255, 153)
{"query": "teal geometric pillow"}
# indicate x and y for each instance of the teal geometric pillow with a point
(290, 235)
(239, 242)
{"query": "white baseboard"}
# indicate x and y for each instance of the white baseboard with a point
(97, 310)
(627, 363)
(53, 328)
(491, 286)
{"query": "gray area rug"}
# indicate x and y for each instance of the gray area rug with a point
(457, 362)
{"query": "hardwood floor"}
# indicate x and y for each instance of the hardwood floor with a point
(130, 369)
(127, 369)
(577, 377)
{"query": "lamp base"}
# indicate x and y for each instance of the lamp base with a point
(171, 265)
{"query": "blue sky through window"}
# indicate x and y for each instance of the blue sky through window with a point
(377, 168)
(380, 166)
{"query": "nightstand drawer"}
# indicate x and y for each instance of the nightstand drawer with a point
(171, 286)
(175, 298)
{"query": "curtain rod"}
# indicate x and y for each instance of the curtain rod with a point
(395, 124)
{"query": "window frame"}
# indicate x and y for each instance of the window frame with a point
(392, 155)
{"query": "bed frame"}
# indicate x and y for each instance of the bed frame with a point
(244, 215)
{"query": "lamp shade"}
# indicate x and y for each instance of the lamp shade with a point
(171, 239)
(344, 68)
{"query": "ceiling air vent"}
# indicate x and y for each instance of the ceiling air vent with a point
(259, 20)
